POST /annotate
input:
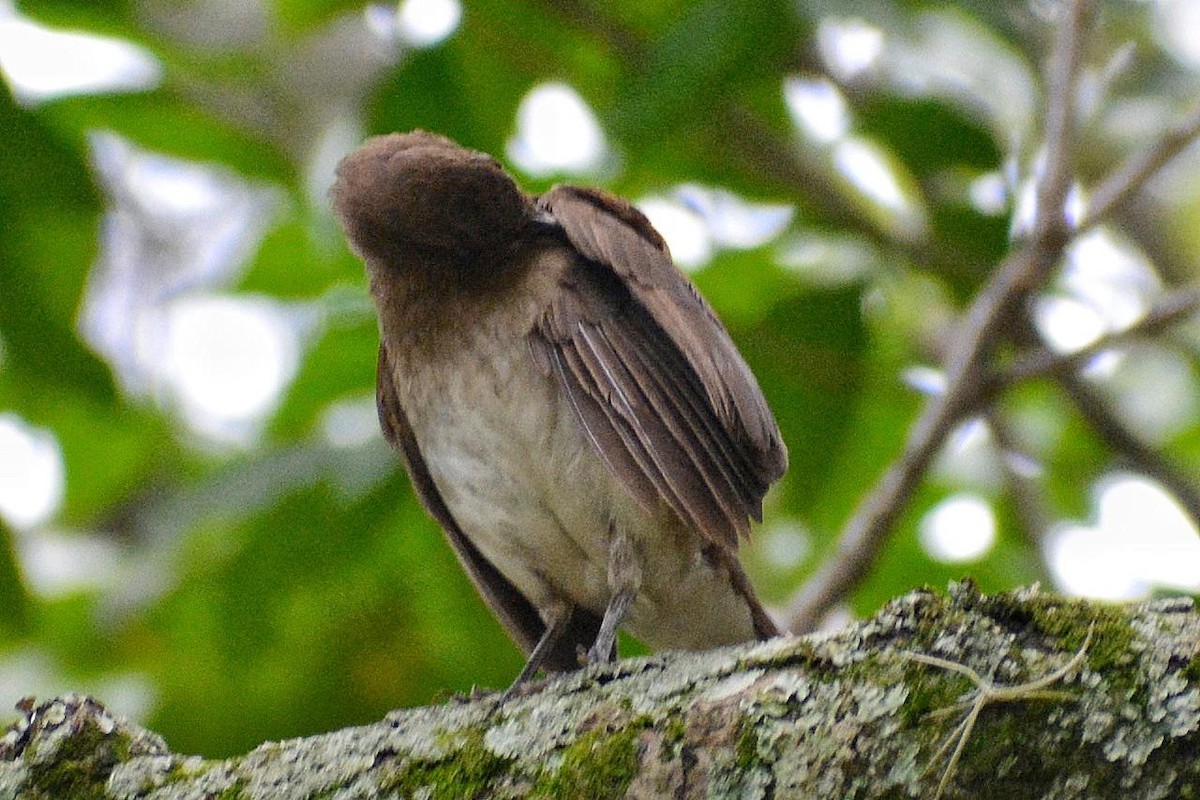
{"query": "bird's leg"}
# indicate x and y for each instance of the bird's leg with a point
(559, 619)
(624, 578)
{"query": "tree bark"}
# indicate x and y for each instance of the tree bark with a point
(878, 710)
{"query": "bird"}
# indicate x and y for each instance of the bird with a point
(569, 408)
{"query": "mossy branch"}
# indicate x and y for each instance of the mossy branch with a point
(851, 715)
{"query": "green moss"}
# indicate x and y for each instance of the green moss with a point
(745, 748)
(674, 730)
(80, 767)
(179, 773)
(1066, 621)
(1070, 621)
(1191, 671)
(599, 764)
(470, 770)
(235, 792)
(930, 689)
(997, 761)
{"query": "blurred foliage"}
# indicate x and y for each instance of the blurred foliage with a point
(291, 585)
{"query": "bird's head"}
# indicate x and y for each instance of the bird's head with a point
(407, 200)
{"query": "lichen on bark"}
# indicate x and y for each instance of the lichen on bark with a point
(844, 715)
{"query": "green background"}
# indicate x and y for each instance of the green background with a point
(300, 586)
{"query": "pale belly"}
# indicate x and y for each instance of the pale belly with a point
(524, 483)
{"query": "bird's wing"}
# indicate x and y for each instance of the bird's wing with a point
(652, 374)
(511, 607)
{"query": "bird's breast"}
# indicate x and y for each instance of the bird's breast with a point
(515, 469)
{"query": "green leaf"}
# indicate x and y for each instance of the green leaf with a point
(51, 210)
(699, 59)
(14, 603)
(808, 355)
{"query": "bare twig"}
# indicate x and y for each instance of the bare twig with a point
(1166, 311)
(979, 333)
(1030, 510)
(1127, 179)
(1117, 436)
(986, 693)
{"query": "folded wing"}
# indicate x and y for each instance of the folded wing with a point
(652, 374)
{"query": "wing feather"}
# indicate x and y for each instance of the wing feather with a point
(670, 404)
(652, 374)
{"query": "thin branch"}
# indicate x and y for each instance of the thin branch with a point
(1166, 311)
(986, 693)
(1031, 513)
(1117, 436)
(1127, 179)
(979, 333)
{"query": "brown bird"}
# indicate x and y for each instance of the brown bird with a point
(569, 408)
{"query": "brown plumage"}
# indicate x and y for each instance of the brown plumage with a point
(569, 408)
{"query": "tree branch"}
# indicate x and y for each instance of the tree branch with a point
(1166, 311)
(1030, 510)
(1129, 178)
(860, 714)
(1125, 443)
(975, 341)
